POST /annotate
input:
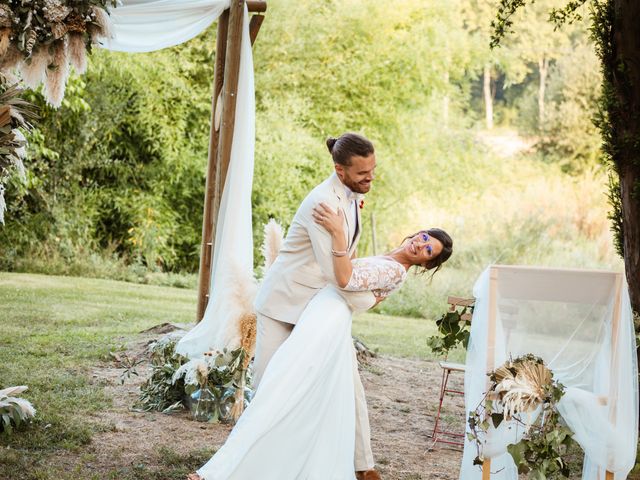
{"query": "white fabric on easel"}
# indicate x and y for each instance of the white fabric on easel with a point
(146, 25)
(564, 317)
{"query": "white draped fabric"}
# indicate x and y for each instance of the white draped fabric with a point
(146, 25)
(583, 330)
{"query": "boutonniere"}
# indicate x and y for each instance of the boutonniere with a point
(361, 204)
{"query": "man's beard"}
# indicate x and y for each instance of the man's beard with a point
(357, 187)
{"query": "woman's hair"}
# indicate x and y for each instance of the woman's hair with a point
(348, 145)
(447, 249)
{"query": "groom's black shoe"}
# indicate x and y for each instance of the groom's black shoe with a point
(368, 475)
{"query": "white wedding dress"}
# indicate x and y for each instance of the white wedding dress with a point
(300, 424)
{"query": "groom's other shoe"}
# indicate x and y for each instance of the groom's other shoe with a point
(368, 475)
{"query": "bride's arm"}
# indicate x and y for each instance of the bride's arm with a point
(334, 224)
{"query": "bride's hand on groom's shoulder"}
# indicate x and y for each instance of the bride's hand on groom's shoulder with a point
(324, 215)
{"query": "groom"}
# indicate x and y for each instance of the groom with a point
(304, 266)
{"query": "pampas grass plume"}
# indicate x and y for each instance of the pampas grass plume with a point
(273, 235)
(56, 81)
(104, 23)
(77, 52)
(34, 71)
(11, 58)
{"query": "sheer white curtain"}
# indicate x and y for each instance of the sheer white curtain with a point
(566, 317)
(146, 25)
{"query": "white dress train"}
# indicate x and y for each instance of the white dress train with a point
(300, 424)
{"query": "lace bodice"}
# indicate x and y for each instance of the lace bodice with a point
(381, 275)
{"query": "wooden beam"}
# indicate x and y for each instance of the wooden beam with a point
(256, 6)
(229, 94)
(254, 27)
(613, 384)
(208, 217)
(491, 345)
(226, 91)
(460, 301)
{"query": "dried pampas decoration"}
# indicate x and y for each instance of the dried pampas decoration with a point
(57, 73)
(5, 16)
(42, 38)
(102, 27)
(5, 39)
(521, 386)
(272, 242)
(34, 70)
(77, 52)
(11, 59)
(56, 11)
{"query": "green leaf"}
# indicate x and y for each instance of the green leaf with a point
(497, 419)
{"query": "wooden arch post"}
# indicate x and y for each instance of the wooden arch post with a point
(223, 114)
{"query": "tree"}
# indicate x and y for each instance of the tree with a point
(617, 43)
(539, 44)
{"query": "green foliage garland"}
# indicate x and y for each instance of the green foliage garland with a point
(453, 330)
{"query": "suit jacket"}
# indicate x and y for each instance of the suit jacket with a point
(305, 264)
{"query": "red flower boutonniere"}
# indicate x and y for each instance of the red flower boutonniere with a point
(361, 204)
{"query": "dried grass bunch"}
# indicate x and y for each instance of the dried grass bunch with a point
(521, 386)
(40, 38)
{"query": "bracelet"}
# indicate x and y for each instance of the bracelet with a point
(337, 253)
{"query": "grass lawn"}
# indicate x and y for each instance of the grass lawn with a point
(53, 330)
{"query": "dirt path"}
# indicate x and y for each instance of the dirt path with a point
(402, 395)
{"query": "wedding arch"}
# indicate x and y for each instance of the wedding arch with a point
(40, 40)
(580, 323)
(147, 25)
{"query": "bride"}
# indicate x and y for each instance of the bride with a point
(300, 424)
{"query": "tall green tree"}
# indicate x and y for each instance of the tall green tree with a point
(617, 41)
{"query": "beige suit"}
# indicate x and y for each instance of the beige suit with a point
(303, 267)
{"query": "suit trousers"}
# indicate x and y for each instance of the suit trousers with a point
(270, 335)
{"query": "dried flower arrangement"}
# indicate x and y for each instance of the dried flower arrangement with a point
(41, 38)
(518, 388)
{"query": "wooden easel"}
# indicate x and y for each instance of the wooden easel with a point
(223, 114)
(491, 340)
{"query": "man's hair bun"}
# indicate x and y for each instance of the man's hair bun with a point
(330, 143)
